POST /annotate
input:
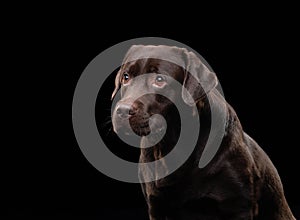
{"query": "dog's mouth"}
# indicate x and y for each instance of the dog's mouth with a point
(139, 128)
(144, 127)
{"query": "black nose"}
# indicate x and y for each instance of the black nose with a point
(125, 110)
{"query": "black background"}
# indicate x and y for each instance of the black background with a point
(253, 51)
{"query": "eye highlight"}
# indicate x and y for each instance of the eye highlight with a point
(160, 81)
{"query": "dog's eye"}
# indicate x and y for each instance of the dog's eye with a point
(159, 79)
(125, 77)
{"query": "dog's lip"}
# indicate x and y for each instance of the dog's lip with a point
(156, 125)
(142, 128)
(132, 129)
(157, 129)
(122, 129)
(141, 131)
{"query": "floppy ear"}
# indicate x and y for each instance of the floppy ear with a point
(117, 84)
(198, 79)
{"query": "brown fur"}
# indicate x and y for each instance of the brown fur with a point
(239, 183)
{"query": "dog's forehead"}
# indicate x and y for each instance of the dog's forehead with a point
(167, 53)
(152, 65)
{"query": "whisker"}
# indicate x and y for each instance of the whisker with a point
(104, 124)
(106, 119)
(106, 129)
(109, 131)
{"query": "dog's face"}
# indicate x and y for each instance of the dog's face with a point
(149, 76)
(155, 78)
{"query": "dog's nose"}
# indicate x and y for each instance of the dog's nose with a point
(125, 110)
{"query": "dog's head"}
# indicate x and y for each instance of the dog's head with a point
(156, 64)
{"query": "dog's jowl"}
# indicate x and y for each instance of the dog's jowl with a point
(240, 182)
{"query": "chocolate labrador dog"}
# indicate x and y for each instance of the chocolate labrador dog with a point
(240, 182)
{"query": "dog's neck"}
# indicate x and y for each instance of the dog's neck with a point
(204, 108)
(166, 144)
